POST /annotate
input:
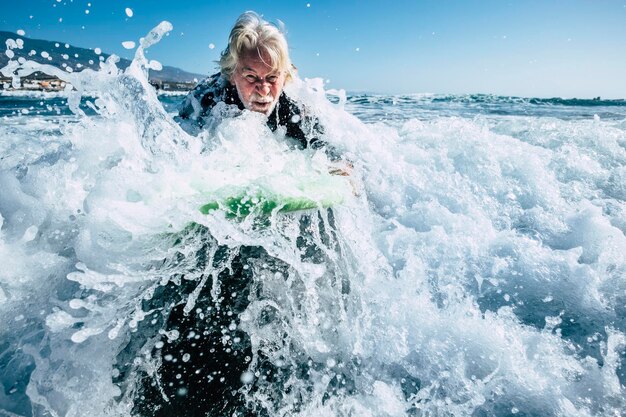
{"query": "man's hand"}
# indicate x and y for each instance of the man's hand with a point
(342, 168)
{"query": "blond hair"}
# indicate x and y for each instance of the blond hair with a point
(250, 33)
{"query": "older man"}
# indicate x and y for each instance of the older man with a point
(199, 359)
(254, 68)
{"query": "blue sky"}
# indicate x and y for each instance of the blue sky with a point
(538, 48)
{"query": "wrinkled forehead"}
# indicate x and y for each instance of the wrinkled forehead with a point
(257, 60)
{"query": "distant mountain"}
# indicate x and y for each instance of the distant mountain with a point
(60, 53)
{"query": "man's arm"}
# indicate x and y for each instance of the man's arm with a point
(303, 126)
(200, 101)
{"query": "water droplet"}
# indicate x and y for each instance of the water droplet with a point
(247, 377)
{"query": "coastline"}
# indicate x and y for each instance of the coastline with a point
(46, 85)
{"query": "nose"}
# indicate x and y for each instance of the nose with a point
(263, 88)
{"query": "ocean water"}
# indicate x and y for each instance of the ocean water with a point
(478, 268)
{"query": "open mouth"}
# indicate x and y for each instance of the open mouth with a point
(262, 106)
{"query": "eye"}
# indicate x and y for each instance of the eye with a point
(250, 78)
(272, 79)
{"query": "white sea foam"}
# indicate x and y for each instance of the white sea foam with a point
(480, 271)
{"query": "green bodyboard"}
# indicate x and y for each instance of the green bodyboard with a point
(240, 203)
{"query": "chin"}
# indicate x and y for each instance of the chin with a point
(266, 110)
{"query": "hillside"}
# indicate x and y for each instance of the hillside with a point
(62, 55)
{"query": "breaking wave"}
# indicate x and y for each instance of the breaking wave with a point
(478, 268)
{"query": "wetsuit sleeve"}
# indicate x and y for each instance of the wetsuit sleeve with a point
(314, 132)
(302, 126)
(200, 100)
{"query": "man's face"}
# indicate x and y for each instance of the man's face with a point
(258, 84)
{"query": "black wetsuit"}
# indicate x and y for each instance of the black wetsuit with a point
(198, 369)
(198, 373)
(195, 111)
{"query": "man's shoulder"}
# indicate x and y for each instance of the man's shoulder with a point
(300, 121)
(203, 97)
(212, 84)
